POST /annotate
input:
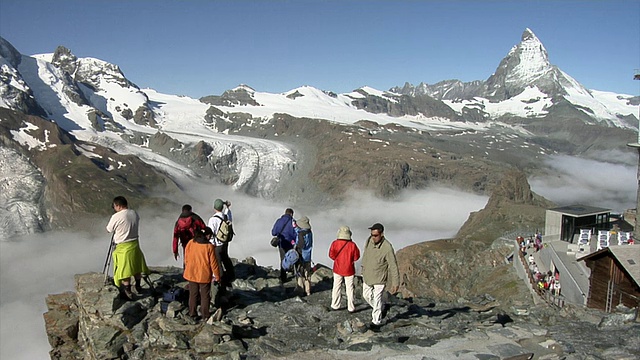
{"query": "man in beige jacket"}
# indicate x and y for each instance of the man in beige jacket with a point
(379, 267)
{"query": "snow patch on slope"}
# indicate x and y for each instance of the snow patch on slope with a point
(530, 103)
(316, 104)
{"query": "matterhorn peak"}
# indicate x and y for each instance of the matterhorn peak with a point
(526, 64)
(529, 35)
(532, 59)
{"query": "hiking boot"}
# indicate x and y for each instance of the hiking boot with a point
(126, 292)
(385, 310)
(375, 328)
(138, 287)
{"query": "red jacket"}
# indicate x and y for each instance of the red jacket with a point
(185, 229)
(344, 254)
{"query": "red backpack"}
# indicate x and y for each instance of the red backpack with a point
(186, 228)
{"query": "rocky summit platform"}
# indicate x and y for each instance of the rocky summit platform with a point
(261, 319)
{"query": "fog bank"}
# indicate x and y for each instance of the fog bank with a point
(590, 182)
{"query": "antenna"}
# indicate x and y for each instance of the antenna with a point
(636, 76)
(636, 228)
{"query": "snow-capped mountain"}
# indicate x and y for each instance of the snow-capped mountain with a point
(526, 84)
(116, 130)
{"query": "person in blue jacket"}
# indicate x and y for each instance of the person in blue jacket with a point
(283, 229)
(304, 244)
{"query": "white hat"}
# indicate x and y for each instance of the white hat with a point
(344, 233)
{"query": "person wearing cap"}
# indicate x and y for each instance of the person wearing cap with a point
(222, 249)
(283, 229)
(304, 244)
(379, 267)
(344, 253)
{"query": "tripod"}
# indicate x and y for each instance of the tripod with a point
(107, 261)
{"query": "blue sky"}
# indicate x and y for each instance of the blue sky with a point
(199, 48)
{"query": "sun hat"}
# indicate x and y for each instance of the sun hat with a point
(303, 223)
(344, 233)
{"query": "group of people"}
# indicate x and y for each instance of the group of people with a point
(210, 272)
(379, 265)
(207, 265)
(532, 241)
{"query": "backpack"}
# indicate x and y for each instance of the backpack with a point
(302, 241)
(225, 230)
(186, 229)
(174, 294)
(290, 259)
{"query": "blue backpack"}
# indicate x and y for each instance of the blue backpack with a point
(290, 259)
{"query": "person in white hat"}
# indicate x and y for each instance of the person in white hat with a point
(344, 253)
(304, 245)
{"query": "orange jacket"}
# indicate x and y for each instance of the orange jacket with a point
(200, 263)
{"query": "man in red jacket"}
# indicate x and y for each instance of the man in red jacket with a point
(344, 253)
(185, 229)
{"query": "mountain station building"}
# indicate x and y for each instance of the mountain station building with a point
(592, 254)
(564, 223)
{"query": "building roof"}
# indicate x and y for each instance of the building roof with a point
(628, 256)
(580, 210)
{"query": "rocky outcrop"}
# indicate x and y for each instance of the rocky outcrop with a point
(474, 261)
(242, 95)
(511, 206)
(400, 105)
(263, 320)
(14, 91)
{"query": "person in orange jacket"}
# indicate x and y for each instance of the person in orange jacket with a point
(200, 269)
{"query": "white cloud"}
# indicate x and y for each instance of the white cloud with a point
(588, 182)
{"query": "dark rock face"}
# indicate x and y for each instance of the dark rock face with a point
(243, 95)
(443, 90)
(400, 105)
(263, 320)
(20, 99)
(65, 60)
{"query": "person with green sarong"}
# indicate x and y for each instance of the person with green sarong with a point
(128, 259)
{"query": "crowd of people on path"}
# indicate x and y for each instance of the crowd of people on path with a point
(543, 281)
(210, 272)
